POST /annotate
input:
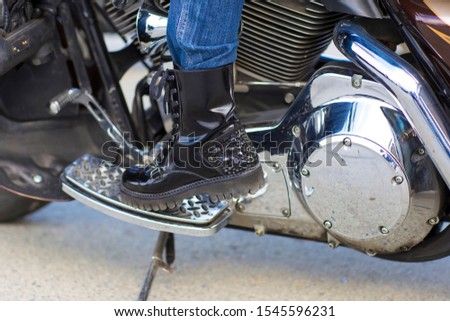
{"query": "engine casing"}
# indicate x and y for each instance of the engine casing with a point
(360, 168)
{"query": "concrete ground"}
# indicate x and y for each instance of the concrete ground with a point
(68, 251)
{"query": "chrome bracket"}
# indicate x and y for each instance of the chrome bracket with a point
(75, 96)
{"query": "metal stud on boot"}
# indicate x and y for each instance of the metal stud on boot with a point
(209, 153)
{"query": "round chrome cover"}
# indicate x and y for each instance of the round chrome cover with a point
(361, 170)
(358, 193)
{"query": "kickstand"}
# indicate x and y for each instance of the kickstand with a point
(166, 241)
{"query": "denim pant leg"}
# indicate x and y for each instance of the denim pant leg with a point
(203, 34)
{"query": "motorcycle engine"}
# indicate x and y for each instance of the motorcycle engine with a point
(356, 162)
(360, 169)
(281, 41)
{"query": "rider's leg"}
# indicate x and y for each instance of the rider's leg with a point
(204, 34)
(210, 152)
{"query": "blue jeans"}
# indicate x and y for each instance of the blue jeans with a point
(203, 34)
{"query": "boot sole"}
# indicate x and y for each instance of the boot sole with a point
(218, 189)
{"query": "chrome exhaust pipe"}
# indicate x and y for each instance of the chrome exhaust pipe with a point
(416, 98)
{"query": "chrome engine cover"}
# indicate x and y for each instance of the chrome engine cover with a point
(360, 169)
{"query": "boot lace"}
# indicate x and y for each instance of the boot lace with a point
(164, 80)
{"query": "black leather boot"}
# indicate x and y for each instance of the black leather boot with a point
(209, 153)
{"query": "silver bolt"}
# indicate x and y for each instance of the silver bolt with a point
(240, 207)
(286, 212)
(433, 221)
(54, 108)
(260, 230)
(398, 180)
(357, 81)
(328, 224)
(421, 151)
(384, 230)
(305, 172)
(347, 142)
(332, 245)
(289, 98)
(38, 179)
(276, 167)
(296, 131)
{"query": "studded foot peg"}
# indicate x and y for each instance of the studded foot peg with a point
(96, 183)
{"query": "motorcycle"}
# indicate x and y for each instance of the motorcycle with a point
(358, 144)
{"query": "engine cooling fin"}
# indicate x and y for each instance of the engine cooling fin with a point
(283, 42)
(123, 21)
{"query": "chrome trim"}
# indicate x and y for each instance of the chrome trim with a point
(96, 183)
(245, 86)
(278, 210)
(151, 25)
(333, 87)
(297, 84)
(359, 167)
(416, 98)
(151, 223)
(75, 96)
